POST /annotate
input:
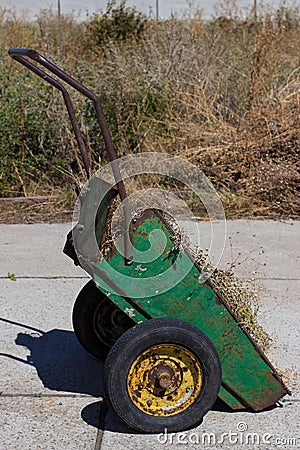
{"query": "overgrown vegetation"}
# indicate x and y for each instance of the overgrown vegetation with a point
(222, 93)
(117, 23)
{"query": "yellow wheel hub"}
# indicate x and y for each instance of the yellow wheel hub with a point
(164, 380)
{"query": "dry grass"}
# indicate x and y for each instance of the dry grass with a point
(223, 94)
(58, 207)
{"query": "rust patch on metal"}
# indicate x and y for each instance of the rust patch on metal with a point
(270, 398)
(138, 221)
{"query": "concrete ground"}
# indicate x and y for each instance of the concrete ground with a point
(52, 389)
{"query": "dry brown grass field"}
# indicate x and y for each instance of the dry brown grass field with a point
(222, 93)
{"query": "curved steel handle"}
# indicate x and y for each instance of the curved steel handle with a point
(21, 55)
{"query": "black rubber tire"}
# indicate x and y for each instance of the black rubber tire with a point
(135, 341)
(94, 321)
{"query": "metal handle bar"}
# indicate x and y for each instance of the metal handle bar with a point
(21, 55)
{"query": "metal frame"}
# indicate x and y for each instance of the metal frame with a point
(21, 55)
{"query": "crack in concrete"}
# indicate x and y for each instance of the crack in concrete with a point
(62, 277)
(58, 277)
(101, 426)
(40, 395)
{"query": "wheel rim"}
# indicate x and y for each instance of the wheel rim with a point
(164, 380)
(109, 323)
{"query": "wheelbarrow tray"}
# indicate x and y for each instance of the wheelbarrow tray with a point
(248, 378)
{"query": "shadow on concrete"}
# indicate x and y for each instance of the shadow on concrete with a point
(61, 363)
(107, 420)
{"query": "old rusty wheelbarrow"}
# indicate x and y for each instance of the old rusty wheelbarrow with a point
(170, 354)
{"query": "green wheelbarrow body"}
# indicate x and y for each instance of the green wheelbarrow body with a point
(248, 378)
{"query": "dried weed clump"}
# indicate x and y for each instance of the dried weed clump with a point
(237, 295)
(243, 303)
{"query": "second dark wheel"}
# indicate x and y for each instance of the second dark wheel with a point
(97, 321)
